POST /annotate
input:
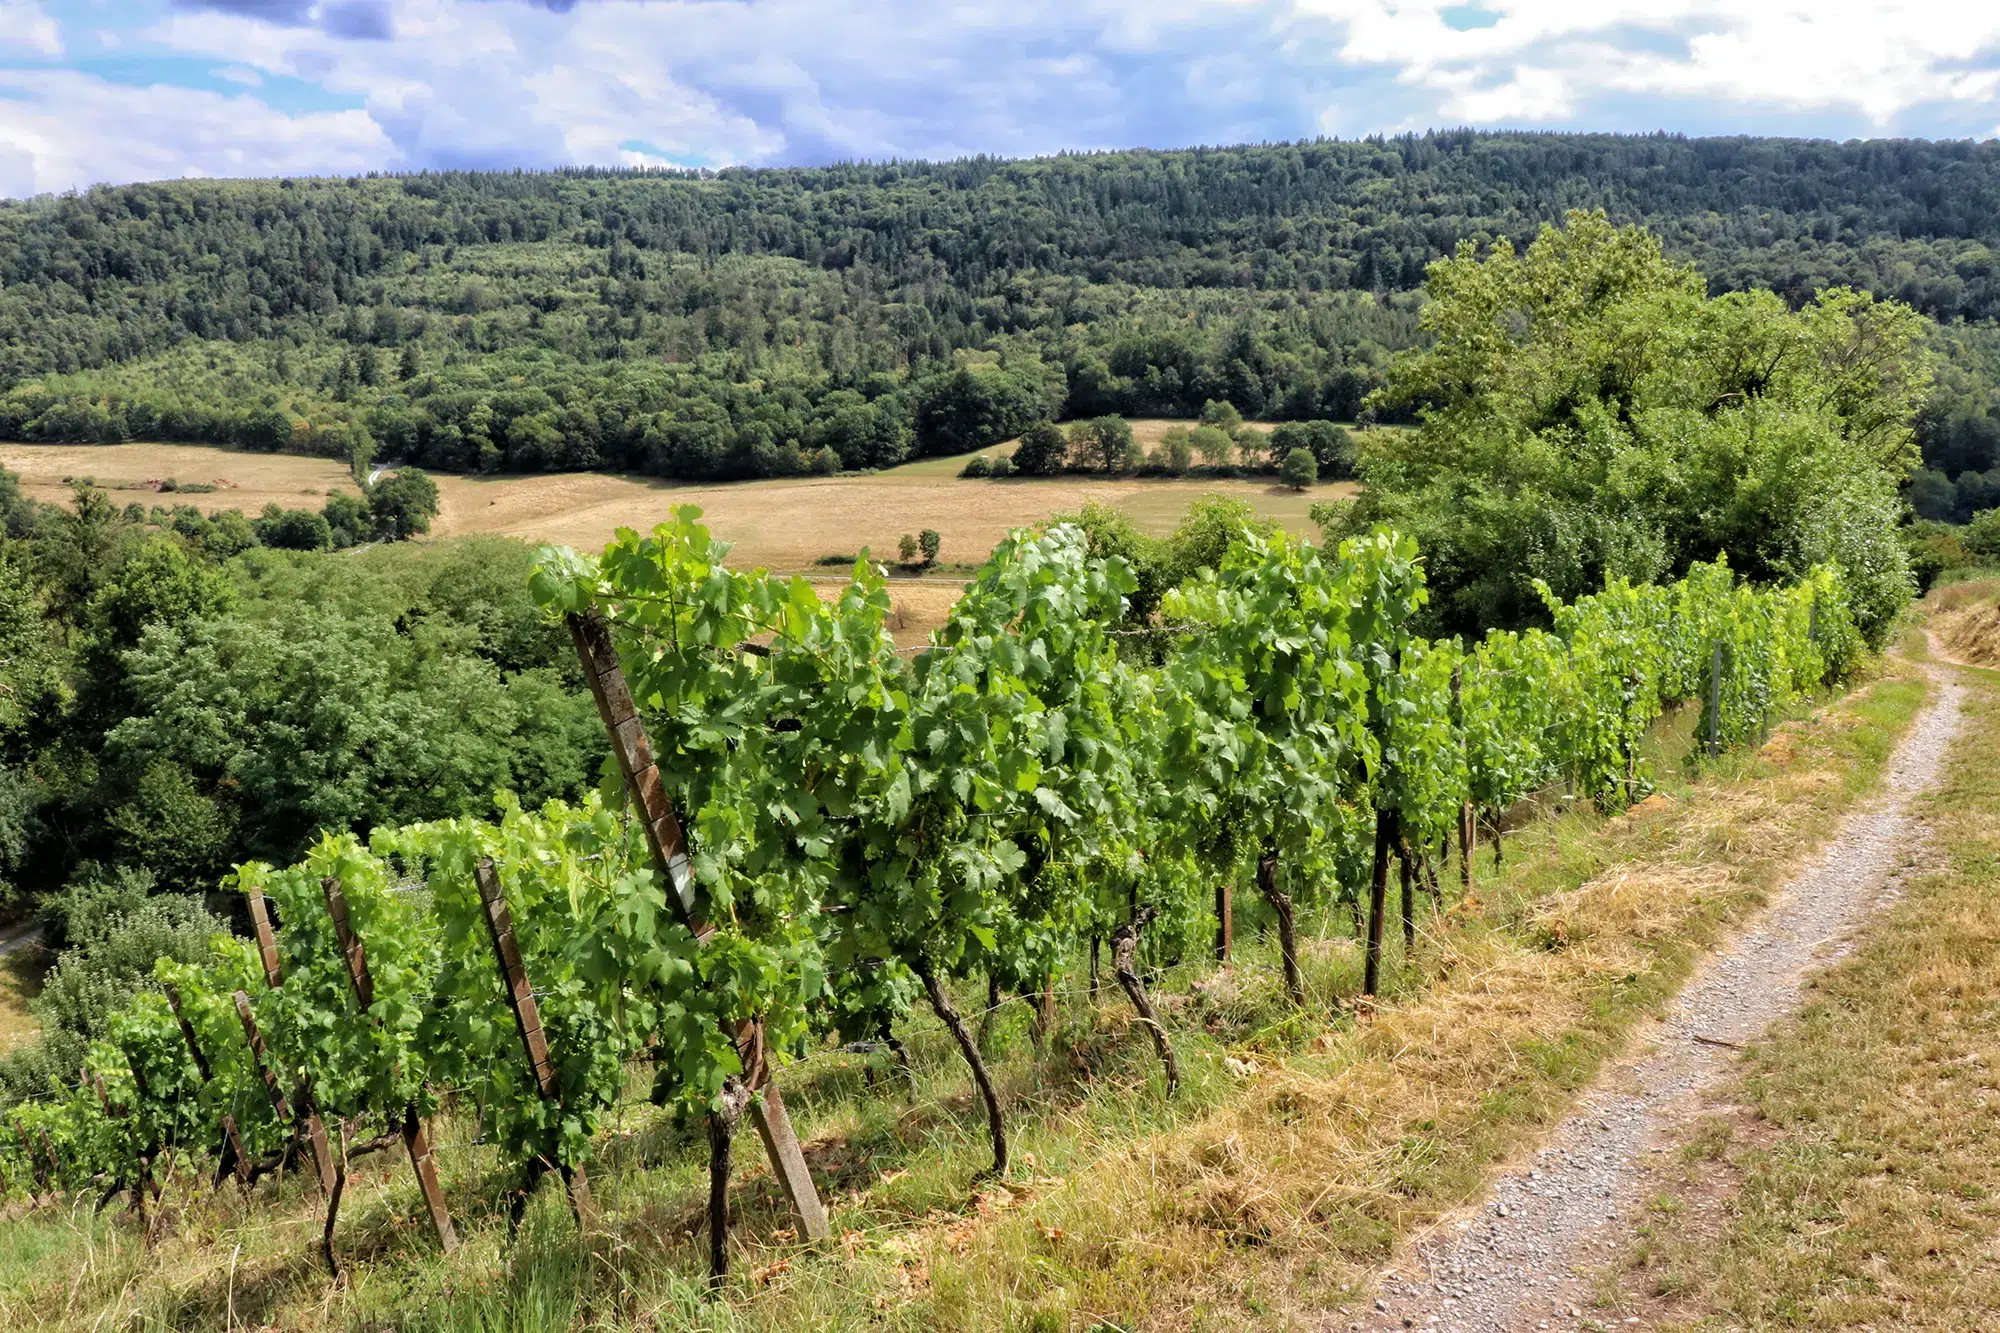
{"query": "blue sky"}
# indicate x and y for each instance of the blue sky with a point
(118, 90)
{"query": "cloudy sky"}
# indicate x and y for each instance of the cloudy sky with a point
(121, 90)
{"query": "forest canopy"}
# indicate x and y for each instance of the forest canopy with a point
(756, 322)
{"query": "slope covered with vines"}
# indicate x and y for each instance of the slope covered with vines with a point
(871, 828)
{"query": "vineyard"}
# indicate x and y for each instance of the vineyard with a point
(820, 832)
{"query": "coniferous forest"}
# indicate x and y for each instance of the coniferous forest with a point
(768, 322)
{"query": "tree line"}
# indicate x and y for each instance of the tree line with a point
(761, 322)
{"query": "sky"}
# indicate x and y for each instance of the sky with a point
(112, 91)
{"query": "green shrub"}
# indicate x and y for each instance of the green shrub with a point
(979, 465)
(1982, 535)
(1300, 469)
(1042, 451)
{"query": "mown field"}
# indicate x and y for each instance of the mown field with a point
(782, 524)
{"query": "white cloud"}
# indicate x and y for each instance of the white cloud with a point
(61, 130)
(1542, 58)
(482, 82)
(26, 31)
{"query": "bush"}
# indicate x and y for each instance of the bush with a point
(110, 927)
(347, 517)
(1300, 469)
(1982, 535)
(930, 543)
(1003, 466)
(825, 462)
(294, 529)
(979, 465)
(906, 548)
(1223, 416)
(403, 504)
(1934, 548)
(1175, 454)
(1043, 450)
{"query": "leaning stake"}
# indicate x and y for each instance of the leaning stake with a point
(528, 1023)
(667, 842)
(356, 957)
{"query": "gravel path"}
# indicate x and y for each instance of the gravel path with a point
(1523, 1260)
(20, 937)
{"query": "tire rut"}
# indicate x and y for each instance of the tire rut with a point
(1525, 1260)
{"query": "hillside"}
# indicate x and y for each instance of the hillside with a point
(741, 323)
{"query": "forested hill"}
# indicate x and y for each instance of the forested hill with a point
(749, 320)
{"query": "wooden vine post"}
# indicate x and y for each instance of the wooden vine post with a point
(1467, 831)
(528, 1022)
(274, 977)
(1715, 702)
(232, 1157)
(1225, 920)
(1386, 834)
(667, 842)
(414, 1139)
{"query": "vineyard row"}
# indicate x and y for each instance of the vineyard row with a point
(1049, 776)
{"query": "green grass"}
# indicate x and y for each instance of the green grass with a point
(1301, 1149)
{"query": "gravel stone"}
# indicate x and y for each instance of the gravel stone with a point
(1533, 1251)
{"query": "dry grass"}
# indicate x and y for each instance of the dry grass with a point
(246, 481)
(1966, 619)
(1847, 1177)
(779, 524)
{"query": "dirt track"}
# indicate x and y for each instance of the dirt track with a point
(1524, 1259)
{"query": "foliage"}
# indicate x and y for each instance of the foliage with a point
(1330, 446)
(1590, 414)
(403, 504)
(1982, 535)
(1042, 450)
(1299, 470)
(149, 668)
(738, 323)
(858, 820)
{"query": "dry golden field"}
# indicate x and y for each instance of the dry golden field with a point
(782, 524)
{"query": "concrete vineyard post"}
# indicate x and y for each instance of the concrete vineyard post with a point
(527, 1018)
(667, 842)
